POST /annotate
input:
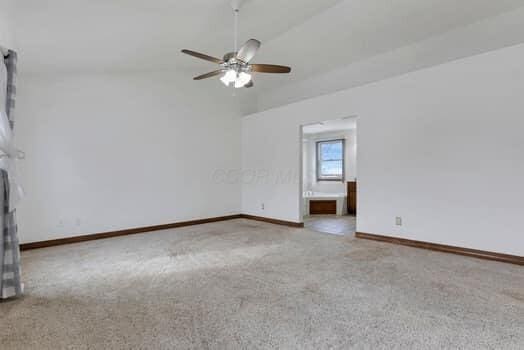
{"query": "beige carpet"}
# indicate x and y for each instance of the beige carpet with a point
(248, 285)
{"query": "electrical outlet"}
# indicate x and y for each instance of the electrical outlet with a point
(398, 221)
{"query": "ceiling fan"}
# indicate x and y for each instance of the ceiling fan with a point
(235, 67)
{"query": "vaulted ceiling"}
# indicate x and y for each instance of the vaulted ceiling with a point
(312, 36)
(122, 35)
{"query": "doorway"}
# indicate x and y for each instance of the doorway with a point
(329, 176)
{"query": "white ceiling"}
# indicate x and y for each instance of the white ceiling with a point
(342, 124)
(355, 30)
(312, 36)
(122, 35)
(506, 29)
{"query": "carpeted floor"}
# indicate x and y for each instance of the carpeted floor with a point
(247, 285)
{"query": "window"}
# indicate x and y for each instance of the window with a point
(330, 160)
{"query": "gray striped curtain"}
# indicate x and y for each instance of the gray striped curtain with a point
(10, 283)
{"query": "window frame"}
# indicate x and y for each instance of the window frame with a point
(319, 160)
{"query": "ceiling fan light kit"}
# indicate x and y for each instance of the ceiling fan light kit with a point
(235, 67)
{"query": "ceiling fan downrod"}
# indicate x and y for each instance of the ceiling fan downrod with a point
(235, 35)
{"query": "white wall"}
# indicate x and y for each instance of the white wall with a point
(6, 28)
(309, 157)
(441, 147)
(107, 152)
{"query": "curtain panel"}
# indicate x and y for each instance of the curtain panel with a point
(10, 283)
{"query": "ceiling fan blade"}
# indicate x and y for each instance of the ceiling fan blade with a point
(248, 51)
(269, 68)
(249, 85)
(203, 56)
(209, 75)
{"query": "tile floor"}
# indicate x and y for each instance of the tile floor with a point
(337, 225)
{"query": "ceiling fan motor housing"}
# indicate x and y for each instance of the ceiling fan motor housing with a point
(231, 62)
(229, 56)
